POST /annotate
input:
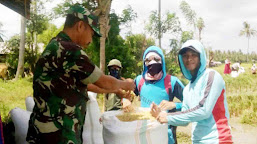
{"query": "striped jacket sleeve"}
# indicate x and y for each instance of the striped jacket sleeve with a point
(210, 93)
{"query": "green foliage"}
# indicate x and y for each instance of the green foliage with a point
(247, 30)
(61, 9)
(186, 35)
(12, 48)
(191, 17)
(137, 44)
(128, 51)
(171, 58)
(37, 23)
(48, 34)
(169, 24)
(172, 66)
(12, 58)
(234, 56)
(189, 14)
(128, 15)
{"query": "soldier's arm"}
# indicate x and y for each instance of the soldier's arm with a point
(96, 89)
(110, 83)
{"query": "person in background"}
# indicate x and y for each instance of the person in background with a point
(113, 99)
(253, 68)
(227, 69)
(60, 81)
(236, 66)
(154, 85)
(204, 103)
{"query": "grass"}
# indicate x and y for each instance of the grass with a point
(183, 138)
(13, 94)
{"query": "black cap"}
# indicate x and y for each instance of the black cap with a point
(183, 50)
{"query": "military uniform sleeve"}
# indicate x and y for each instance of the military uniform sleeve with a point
(84, 70)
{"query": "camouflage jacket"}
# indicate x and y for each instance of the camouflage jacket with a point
(60, 92)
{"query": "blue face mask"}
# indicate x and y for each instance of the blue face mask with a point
(115, 73)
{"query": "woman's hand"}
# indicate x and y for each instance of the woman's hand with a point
(156, 112)
(127, 106)
(162, 117)
(167, 105)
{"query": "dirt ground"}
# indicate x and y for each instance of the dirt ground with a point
(242, 133)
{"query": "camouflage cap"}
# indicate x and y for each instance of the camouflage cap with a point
(85, 15)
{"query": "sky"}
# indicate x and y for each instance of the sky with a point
(223, 20)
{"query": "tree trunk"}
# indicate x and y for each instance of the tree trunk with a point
(34, 51)
(34, 40)
(20, 68)
(105, 7)
(102, 42)
(200, 35)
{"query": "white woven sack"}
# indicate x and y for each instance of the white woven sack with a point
(20, 119)
(135, 132)
(29, 103)
(92, 130)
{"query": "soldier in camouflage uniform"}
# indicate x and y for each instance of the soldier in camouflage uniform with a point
(60, 82)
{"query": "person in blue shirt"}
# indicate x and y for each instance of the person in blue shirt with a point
(154, 85)
(204, 103)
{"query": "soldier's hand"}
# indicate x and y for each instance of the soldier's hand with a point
(129, 84)
(127, 95)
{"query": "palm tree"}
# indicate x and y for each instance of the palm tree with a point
(248, 32)
(189, 14)
(200, 25)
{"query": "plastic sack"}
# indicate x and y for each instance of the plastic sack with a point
(92, 129)
(20, 119)
(135, 132)
(29, 103)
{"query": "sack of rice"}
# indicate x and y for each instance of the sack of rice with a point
(133, 128)
(92, 129)
(29, 103)
(20, 119)
(132, 116)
